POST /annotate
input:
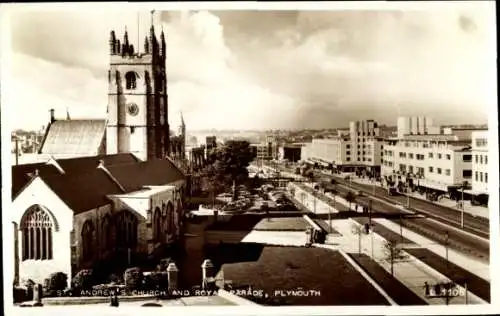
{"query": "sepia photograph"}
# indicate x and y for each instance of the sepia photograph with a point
(208, 156)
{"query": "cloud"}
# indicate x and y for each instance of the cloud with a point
(254, 69)
(369, 63)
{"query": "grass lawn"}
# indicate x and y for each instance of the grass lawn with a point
(311, 269)
(475, 284)
(282, 224)
(395, 289)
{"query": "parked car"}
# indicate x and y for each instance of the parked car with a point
(392, 191)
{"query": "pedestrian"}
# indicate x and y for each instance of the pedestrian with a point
(427, 289)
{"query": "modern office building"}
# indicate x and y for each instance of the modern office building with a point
(359, 148)
(440, 163)
(435, 159)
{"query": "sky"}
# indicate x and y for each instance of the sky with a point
(264, 69)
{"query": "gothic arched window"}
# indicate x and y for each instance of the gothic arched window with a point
(87, 239)
(178, 216)
(131, 80)
(170, 218)
(37, 230)
(126, 230)
(106, 232)
(156, 224)
(163, 231)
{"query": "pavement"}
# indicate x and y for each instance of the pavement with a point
(411, 272)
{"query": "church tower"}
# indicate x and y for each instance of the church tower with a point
(137, 98)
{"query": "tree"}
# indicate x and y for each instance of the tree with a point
(393, 252)
(228, 164)
(351, 198)
(310, 175)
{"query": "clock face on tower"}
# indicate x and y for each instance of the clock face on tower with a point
(132, 109)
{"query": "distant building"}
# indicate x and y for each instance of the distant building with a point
(290, 152)
(25, 146)
(211, 142)
(416, 125)
(267, 150)
(359, 148)
(462, 133)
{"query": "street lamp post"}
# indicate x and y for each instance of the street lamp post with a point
(446, 241)
(371, 237)
(370, 213)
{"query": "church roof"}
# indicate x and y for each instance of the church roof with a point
(21, 174)
(152, 172)
(64, 137)
(76, 164)
(83, 186)
(83, 190)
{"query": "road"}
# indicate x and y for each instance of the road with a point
(433, 230)
(473, 224)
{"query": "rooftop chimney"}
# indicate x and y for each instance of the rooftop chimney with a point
(52, 116)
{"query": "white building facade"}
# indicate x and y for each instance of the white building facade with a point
(358, 148)
(435, 162)
(480, 186)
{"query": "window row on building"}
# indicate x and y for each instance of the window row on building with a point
(481, 176)
(481, 159)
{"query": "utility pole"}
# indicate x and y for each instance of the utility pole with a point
(314, 200)
(401, 227)
(17, 150)
(462, 208)
(370, 213)
(446, 245)
(329, 213)
(359, 231)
